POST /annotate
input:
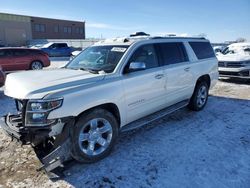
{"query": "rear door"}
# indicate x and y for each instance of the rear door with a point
(145, 89)
(179, 78)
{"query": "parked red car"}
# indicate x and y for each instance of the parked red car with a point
(2, 77)
(13, 59)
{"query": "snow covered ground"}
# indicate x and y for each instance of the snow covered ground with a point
(210, 148)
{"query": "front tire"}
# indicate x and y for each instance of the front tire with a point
(36, 65)
(199, 98)
(94, 136)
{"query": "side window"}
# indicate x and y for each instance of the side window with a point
(19, 52)
(202, 50)
(145, 54)
(62, 45)
(2, 53)
(172, 53)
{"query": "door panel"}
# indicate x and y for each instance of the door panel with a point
(179, 80)
(21, 59)
(144, 92)
(177, 70)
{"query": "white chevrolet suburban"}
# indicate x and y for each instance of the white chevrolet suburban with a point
(113, 86)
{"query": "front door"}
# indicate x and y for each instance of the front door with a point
(145, 89)
(6, 60)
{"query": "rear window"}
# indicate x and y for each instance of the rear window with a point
(172, 53)
(202, 50)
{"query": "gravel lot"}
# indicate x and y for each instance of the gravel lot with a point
(210, 148)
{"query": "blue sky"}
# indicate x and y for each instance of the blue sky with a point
(220, 20)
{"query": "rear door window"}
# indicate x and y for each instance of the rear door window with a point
(172, 53)
(202, 50)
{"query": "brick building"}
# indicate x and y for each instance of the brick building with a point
(16, 30)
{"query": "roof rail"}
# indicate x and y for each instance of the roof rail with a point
(144, 37)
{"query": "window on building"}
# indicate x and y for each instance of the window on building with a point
(56, 29)
(40, 28)
(67, 30)
(81, 30)
(77, 30)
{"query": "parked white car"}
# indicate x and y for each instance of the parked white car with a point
(234, 61)
(113, 86)
(218, 49)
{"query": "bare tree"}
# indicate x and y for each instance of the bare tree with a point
(241, 39)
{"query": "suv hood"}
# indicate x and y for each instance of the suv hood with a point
(37, 84)
(234, 57)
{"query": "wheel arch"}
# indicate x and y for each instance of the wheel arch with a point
(205, 78)
(110, 107)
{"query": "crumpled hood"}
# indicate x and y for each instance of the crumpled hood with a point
(234, 57)
(37, 84)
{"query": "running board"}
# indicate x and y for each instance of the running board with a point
(152, 117)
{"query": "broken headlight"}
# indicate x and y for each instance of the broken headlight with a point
(37, 111)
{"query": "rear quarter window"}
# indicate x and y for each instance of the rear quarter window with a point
(202, 50)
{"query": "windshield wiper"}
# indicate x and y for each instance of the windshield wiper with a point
(89, 70)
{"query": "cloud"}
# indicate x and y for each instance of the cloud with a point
(111, 27)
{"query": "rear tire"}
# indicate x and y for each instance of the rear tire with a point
(94, 136)
(199, 98)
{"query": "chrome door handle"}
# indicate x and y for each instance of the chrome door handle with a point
(159, 76)
(187, 69)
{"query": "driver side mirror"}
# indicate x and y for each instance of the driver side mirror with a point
(137, 66)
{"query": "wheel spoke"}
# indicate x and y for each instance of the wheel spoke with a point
(105, 128)
(101, 141)
(93, 124)
(91, 148)
(83, 137)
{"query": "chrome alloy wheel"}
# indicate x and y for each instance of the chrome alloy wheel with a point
(202, 96)
(95, 136)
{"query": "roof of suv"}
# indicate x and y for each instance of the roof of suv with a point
(130, 40)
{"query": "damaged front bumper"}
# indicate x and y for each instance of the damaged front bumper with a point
(52, 151)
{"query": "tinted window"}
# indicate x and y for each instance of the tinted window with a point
(19, 52)
(145, 54)
(62, 45)
(2, 53)
(172, 53)
(202, 50)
